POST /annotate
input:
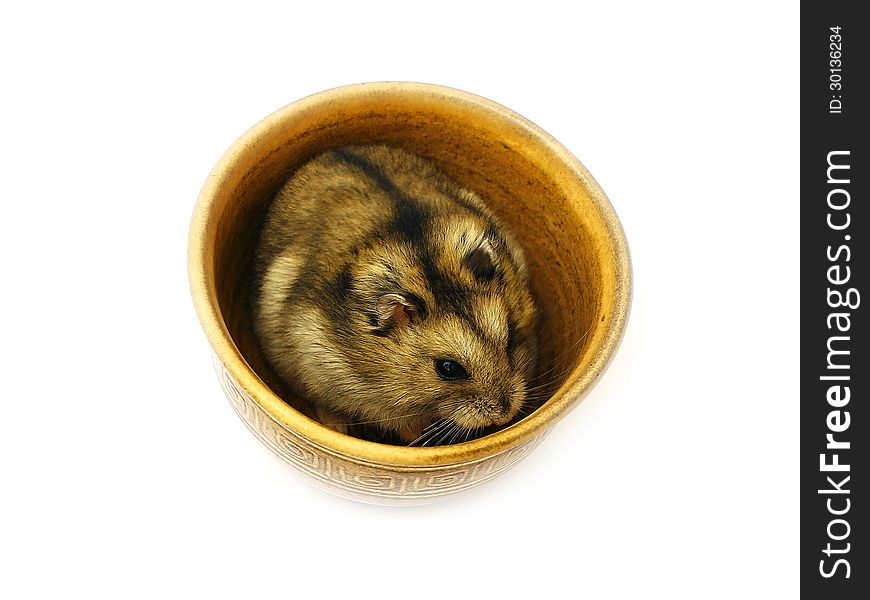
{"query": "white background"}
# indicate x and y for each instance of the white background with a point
(126, 474)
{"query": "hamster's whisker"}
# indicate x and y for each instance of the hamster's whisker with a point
(549, 372)
(452, 430)
(432, 438)
(384, 420)
(475, 432)
(430, 431)
(552, 376)
(532, 403)
(424, 438)
(437, 442)
(441, 437)
(457, 431)
(433, 424)
(447, 435)
(561, 352)
(533, 398)
(542, 386)
(455, 435)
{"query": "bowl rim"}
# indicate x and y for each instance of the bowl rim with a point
(203, 290)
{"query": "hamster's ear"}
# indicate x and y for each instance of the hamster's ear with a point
(397, 310)
(481, 260)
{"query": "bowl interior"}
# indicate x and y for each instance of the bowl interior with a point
(530, 182)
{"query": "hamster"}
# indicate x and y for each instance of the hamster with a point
(390, 296)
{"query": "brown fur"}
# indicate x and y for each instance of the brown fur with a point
(372, 265)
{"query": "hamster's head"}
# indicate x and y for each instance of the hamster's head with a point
(450, 324)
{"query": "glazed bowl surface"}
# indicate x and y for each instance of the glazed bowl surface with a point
(576, 250)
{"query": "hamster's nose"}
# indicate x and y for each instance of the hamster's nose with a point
(506, 404)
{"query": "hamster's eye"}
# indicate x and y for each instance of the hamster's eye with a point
(450, 369)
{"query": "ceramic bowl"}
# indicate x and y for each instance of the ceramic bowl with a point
(575, 246)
